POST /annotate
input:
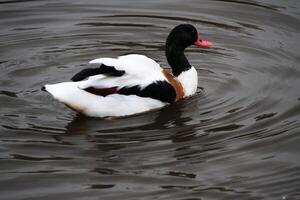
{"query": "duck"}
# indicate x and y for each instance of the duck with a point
(133, 83)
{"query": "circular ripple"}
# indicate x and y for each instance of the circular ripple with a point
(235, 139)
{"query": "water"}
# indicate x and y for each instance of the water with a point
(237, 138)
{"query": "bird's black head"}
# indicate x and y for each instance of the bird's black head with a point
(183, 36)
(180, 38)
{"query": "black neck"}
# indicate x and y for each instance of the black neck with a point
(177, 60)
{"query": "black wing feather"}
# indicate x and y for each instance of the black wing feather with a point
(160, 90)
(103, 69)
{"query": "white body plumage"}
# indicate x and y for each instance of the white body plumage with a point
(138, 71)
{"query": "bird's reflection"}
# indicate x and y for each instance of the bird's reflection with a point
(165, 137)
(111, 138)
(170, 116)
(168, 122)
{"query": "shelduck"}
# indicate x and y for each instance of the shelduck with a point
(133, 83)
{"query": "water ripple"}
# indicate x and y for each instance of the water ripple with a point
(237, 138)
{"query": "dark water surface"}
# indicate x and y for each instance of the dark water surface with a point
(238, 138)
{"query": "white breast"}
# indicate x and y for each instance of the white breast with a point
(189, 81)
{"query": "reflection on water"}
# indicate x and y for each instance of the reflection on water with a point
(236, 139)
